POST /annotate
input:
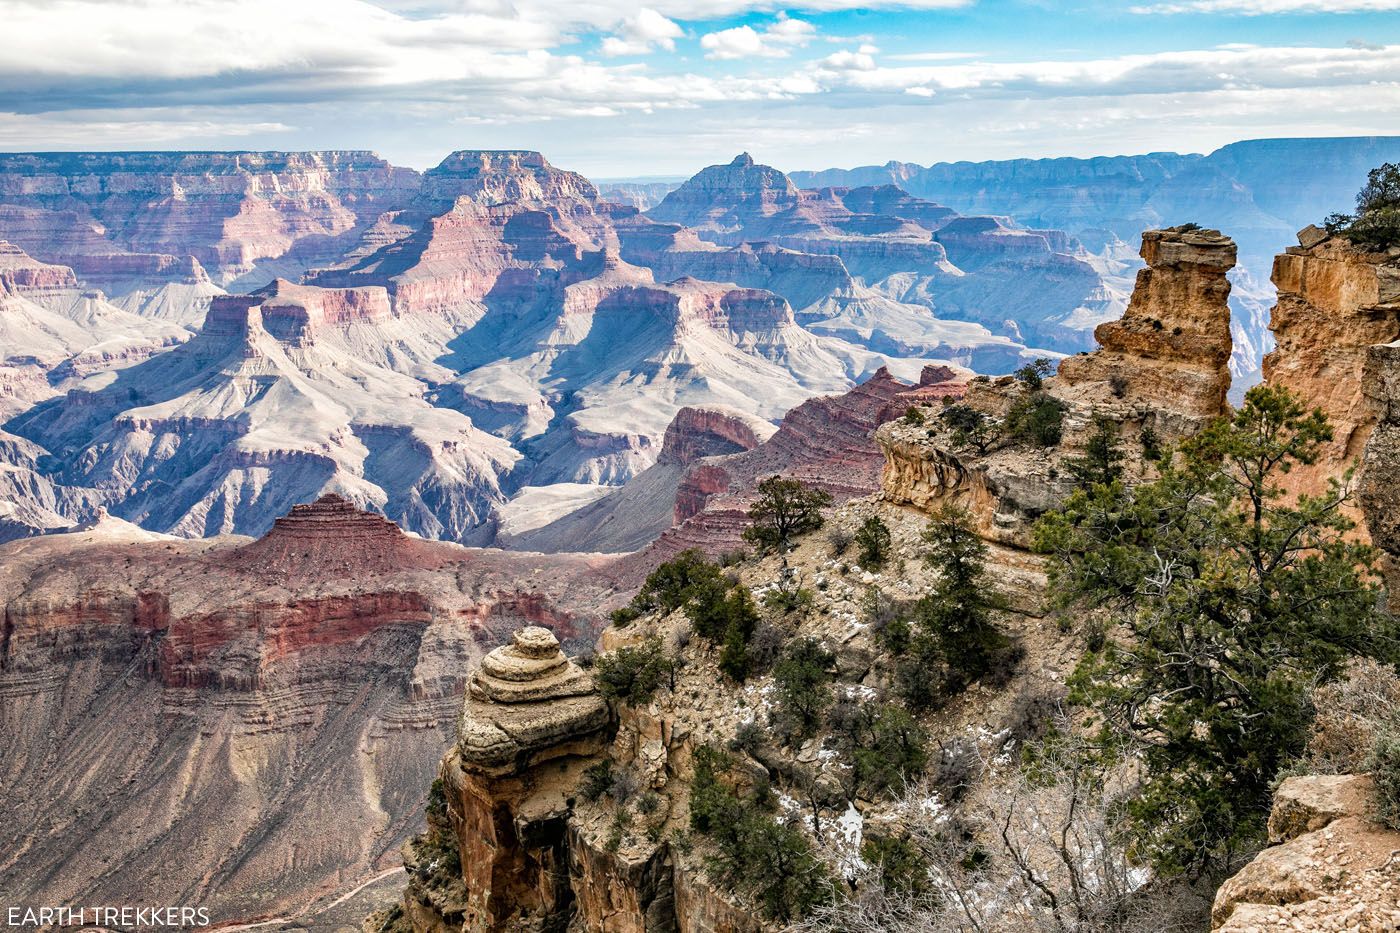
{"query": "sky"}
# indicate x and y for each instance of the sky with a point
(614, 89)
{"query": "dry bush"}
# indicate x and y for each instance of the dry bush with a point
(1350, 714)
(1031, 851)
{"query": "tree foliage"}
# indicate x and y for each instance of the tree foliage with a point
(769, 861)
(1228, 602)
(802, 679)
(955, 640)
(1376, 223)
(1036, 419)
(970, 427)
(873, 541)
(785, 508)
(632, 674)
(1102, 461)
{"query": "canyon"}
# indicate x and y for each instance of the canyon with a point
(195, 341)
(529, 847)
(323, 467)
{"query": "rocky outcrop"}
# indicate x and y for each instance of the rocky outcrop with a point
(1164, 366)
(532, 719)
(1329, 867)
(1336, 306)
(1172, 345)
(1380, 465)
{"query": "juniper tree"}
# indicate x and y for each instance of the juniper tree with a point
(785, 508)
(1228, 601)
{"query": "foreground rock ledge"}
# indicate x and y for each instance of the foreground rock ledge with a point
(1331, 867)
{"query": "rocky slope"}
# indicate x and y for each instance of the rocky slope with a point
(246, 725)
(1163, 366)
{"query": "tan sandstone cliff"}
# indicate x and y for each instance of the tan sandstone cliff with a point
(1163, 367)
(1335, 305)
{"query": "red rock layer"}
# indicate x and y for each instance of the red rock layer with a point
(826, 442)
(331, 537)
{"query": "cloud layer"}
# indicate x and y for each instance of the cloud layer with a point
(421, 74)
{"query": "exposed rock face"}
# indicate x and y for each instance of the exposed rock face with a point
(1335, 304)
(1380, 472)
(146, 212)
(1173, 343)
(218, 713)
(1164, 366)
(1329, 866)
(532, 853)
(531, 719)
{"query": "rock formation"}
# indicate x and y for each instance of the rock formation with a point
(1328, 866)
(1163, 366)
(1172, 345)
(531, 721)
(1335, 305)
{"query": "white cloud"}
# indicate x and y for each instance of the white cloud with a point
(1270, 7)
(641, 33)
(776, 41)
(846, 60)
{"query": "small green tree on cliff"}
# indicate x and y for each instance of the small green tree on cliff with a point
(785, 508)
(1227, 604)
(1376, 223)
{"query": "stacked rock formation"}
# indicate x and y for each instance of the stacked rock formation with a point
(1172, 345)
(531, 720)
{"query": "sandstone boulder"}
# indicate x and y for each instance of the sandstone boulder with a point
(1332, 870)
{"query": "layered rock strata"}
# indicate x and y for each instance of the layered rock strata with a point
(1164, 366)
(187, 719)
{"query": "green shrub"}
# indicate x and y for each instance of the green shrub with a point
(913, 416)
(873, 541)
(785, 599)
(970, 427)
(771, 862)
(801, 681)
(1384, 765)
(1036, 419)
(1102, 461)
(676, 581)
(625, 616)
(1376, 223)
(597, 780)
(1033, 374)
(632, 674)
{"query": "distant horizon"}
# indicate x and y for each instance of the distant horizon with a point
(682, 176)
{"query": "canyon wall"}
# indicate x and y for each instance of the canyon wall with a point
(247, 725)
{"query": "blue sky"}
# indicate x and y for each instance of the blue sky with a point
(614, 88)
